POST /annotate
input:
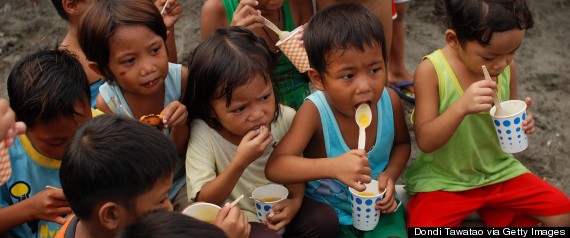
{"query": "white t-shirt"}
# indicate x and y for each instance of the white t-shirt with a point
(209, 154)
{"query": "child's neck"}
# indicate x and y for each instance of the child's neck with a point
(87, 230)
(141, 105)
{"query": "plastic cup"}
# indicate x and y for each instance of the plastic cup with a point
(364, 214)
(295, 52)
(266, 197)
(202, 211)
(5, 166)
(512, 137)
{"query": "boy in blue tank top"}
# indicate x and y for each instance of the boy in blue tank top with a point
(348, 60)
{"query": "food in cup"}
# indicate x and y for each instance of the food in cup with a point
(155, 120)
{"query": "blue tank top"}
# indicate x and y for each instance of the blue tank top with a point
(332, 191)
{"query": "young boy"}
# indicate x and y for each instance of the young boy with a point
(461, 167)
(72, 10)
(348, 60)
(48, 91)
(115, 170)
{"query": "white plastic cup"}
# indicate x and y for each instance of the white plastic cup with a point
(202, 211)
(365, 216)
(266, 197)
(295, 52)
(512, 137)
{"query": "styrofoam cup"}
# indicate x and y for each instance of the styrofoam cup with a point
(295, 52)
(275, 193)
(365, 216)
(512, 137)
(202, 211)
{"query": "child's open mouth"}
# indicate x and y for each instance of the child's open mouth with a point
(151, 83)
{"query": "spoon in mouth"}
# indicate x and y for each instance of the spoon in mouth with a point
(363, 117)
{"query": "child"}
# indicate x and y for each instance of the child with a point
(235, 121)
(285, 14)
(124, 39)
(461, 168)
(348, 61)
(160, 224)
(114, 171)
(72, 10)
(49, 92)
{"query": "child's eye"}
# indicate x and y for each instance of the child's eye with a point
(239, 110)
(348, 76)
(163, 200)
(376, 70)
(129, 61)
(265, 97)
(488, 59)
(155, 50)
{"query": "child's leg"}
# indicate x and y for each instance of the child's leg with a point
(314, 219)
(524, 197)
(259, 230)
(439, 208)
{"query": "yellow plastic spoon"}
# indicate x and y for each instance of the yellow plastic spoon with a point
(498, 109)
(363, 117)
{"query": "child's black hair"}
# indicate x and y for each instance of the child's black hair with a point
(47, 84)
(229, 58)
(101, 21)
(113, 158)
(339, 28)
(160, 224)
(59, 8)
(479, 19)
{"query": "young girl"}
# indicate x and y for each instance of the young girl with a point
(348, 60)
(461, 168)
(285, 14)
(71, 11)
(124, 41)
(235, 122)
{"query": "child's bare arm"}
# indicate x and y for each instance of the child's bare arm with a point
(285, 165)
(48, 205)
(175, 118)
(433, 130)
(170, 15)
(102, 105)
(212, 17)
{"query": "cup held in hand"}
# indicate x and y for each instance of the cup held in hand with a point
(365, 217)
(508, 126)
(202, 211)
(295, 52)
(266, 197)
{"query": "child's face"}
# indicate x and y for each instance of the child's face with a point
(138, 60)
(496, 56)
(154, 199)
(252, 106)
(50, 139)
(353, 77)
(269, 7)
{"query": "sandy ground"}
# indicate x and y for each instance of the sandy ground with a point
(27, 25)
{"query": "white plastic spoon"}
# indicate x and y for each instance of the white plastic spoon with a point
(363, 117)
(282, 34)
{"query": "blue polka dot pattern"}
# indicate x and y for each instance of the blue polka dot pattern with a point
(266, 207)
(510, 138)
(524, 116)
(518, 129)
(358, 201)
(499, 131)
(258, 206)
(358, 209)
(369, 202)
(517, 121)
(497, 123)
(508, 132)
(259, 214)
(507, 123)
(367, 210)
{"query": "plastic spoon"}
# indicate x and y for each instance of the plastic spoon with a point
(498, 109)
(363, 119)
(282, 34)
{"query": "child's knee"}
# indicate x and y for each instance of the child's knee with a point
(562, 220)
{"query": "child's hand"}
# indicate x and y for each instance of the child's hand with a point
(283, 213)
(252, 145)
(49, 205)
(172, 11)
(233, 222)
(388, 204)
(175, 114)
(300, 34)
(353, 169)
(9, 128)
(247, 16)
(478, 97)
(528, 123)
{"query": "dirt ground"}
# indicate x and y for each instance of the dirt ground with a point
(27, 25)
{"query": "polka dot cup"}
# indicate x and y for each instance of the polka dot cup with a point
(512, 138)
(266, 197)
(364, 216)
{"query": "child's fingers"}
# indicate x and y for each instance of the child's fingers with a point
(60, 220)
(528, 102)
(222, 214)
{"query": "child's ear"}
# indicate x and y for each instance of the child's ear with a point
(112, 216)
(70, 6)
(451, 39)
(316, 79)
(95, 67)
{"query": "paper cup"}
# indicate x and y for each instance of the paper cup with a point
(5, 166)
(509, 130)
(364, 214)
(202, 211)
(295, 52)
(266, 197)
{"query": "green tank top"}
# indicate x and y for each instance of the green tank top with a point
(292, 84)
(472, 157)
